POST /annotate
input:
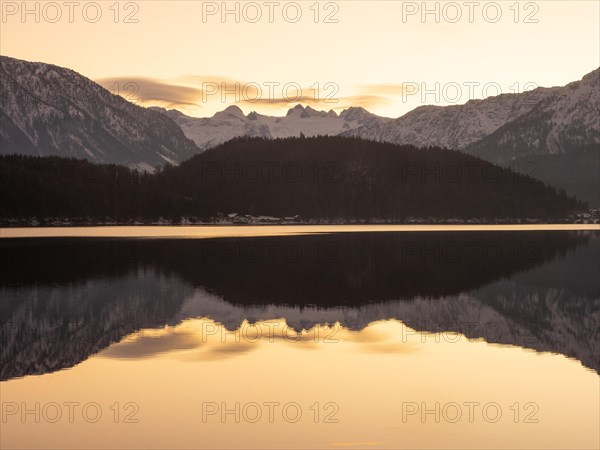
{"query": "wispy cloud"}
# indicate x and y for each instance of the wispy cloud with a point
(192, 92)
(147, 90)
(142, 346)
(395, 90)
(286, 102)
(320, 103)
(365, 100)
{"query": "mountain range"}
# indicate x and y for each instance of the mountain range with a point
(499, 129)
(231, 123)
(564, 120)
(49, 110)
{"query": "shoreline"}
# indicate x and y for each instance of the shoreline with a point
(225, 231)
(588, 218)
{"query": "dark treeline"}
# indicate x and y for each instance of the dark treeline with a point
(322, 177)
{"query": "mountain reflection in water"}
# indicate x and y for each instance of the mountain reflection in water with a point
(64, 300)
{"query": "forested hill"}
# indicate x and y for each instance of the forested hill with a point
(324, 178)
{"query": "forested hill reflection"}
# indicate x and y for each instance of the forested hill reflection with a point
(323, 270)
(65, 299)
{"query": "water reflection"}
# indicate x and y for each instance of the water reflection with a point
(66, 299)
(194, 385)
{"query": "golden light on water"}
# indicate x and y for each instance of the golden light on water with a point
(267, 230)
(353, 389)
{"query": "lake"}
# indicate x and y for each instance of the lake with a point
(424, 336)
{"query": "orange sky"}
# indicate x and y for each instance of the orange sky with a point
(379, 55)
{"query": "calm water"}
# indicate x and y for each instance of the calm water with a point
(300, 337)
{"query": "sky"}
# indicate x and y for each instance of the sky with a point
(386, 56)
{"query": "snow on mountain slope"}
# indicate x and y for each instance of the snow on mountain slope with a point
(544, 121)
(50, 110)
(562, 122)
(541, 121)
(454, 126)
(231, 123)
(47, 110)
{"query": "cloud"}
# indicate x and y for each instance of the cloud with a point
(284, 101)
(197, 80)
(191, 92)
(365, 101)
(391, 348)
(395, 90)
(190, 341)
(140, 346)
(148, 90)
(335, 103)
(378, 339)
(219, 351)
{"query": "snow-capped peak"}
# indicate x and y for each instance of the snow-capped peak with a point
(355, 113)
(296, 110)
(231, 123)
(310, 112)
(232, 111)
